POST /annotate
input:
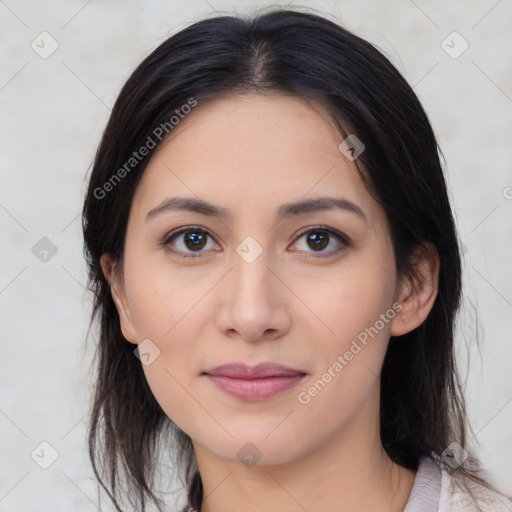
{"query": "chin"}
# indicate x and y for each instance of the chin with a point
(255, 447)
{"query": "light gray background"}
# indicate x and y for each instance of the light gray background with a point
(52, 113)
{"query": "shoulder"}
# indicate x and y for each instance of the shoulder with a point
(438, 488)
(464, 495)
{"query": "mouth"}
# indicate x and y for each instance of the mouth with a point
(254, 382)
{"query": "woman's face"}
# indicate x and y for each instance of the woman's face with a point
(311, 288)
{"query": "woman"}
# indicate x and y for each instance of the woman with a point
(276, 271)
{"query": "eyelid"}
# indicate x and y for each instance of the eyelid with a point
(320, 227)
(345, 240)
(183, 229)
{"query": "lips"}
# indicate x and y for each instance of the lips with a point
(263, 370)
(254, 382)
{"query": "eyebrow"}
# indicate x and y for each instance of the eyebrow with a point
(194, 205)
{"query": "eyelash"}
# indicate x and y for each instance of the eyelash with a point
(345, 241)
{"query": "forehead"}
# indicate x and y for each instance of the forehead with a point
(253, 152)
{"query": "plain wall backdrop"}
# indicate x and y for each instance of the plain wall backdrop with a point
(62, 66)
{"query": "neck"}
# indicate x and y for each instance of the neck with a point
(349, 472)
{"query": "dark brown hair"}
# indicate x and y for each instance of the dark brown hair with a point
(290, 52)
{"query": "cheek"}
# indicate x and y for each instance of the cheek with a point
(355, 308)
(162, 298)
(348, 363)
(172, 316)
(170, 391)
(166, 308)
(351, 298)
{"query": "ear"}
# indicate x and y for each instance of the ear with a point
(115, 280)
(418, 293)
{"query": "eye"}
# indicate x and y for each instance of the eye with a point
(191, 238)
(320, 237)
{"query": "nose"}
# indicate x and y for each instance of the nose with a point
(253, 302)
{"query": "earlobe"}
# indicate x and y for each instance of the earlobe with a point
(417, 293)
(118, 296)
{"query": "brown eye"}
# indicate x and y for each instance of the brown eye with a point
(188, 241)
(194, 240)
(318, 238)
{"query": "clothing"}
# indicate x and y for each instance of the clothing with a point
(435, 490)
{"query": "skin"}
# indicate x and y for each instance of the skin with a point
(251, 154)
